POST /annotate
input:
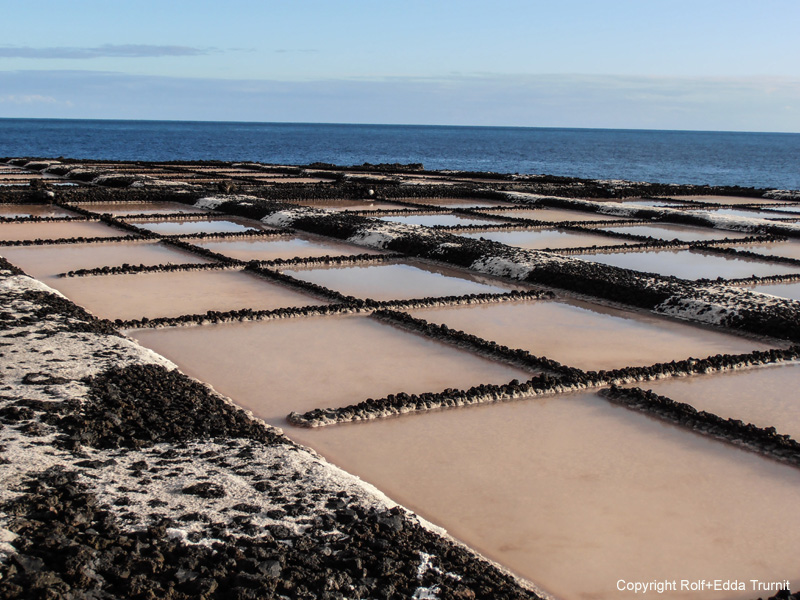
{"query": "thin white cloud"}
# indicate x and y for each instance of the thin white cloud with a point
(104, 51)
(729, 104)
(29, 99)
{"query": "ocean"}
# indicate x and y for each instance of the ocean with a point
(763, 160)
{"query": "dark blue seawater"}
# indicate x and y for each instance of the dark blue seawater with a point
(770, 160)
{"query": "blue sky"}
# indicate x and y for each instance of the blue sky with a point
(701, 64)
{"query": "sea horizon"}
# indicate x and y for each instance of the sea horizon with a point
(764, 160)
(420, 125)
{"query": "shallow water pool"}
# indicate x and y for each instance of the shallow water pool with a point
(587, 335)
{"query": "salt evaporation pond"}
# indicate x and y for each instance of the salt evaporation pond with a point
(790, 208)
(546, 238)
(208, 225)
(554, 215)
(683, 233)
(171, 294)
(140, 208)
(574, 493)
(460, 202)
(350, 205)
(289, 246)
(56, 230)
(732, 212)
(765, 396)
(783, 290)
(275, 367)
(11, 211)
(647, 203)
(587, 335)
(729, 199)
(690, 264)
(441, 220)
(401, 281)
(46, 262)
(21, 176)
(784, 249)
(296, 180)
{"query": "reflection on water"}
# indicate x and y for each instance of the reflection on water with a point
(790, 249)
(784, 290)
(295, 246)
(461, 202)
(731, 200)
(140, 208)
(587, 336)
(32, 230)
(750, 214)
(652, 203)
(400, 281)
(546, 238)
(690, 264)
(351, 205)
(209, 225)
(444, 220)
(555, 215)
(683, 233)
(11, 211)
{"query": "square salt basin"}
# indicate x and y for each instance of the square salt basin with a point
(24, 176)
(351, 205)
(683, 233)
(765, 396)
(171, 294)
(586, 335)
(782, 290)
(729, 199)
(574, 493)
(690, 264)
(646, 203)
(554, 215)
(284, 365)
(784, 249)
(207, 225)
(441, 220)
(789, 208)
(546, 238)
(461, 202)
(401, 281)
(11, 211)
(55, 230)
(747, 214)
(294, 246)
(299, 180)
(47, 262)
(140, 208)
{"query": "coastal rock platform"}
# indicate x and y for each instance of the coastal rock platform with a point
(125, 474)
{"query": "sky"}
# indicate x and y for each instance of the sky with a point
(642, 64)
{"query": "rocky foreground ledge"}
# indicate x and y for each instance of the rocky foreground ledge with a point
(120, 477)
